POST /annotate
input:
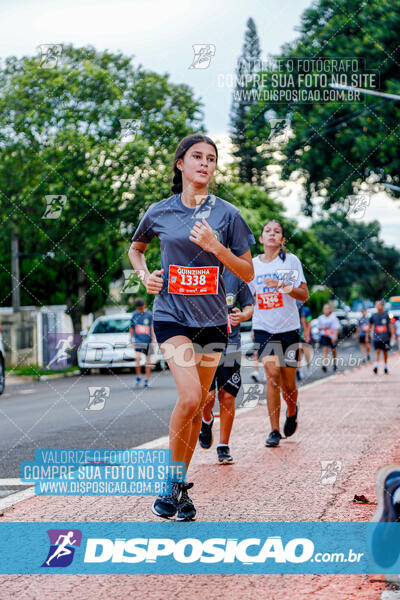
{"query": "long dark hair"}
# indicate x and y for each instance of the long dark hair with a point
(180, 152)
(283, 250)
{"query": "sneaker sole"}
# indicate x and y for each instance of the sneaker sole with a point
(271, 445)
(226, 462)
(380, 488)
(161, 516)
(180, 520)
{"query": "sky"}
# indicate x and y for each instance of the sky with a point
(160, 36)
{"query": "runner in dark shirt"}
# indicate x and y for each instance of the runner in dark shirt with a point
(363, 335)
(382, 330)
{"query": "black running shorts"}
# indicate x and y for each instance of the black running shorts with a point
(205, 339)
(285, 345)
(227, 376)
(381, 345)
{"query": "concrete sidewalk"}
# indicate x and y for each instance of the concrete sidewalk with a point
(352, 419)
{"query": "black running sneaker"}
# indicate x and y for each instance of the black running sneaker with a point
(291, 423)
(186, 509)
(224, 458)
(324, 368)
(335, 368)
(167, 506)
(206, 436)
(375, 370)
(385, 370)
(273, 439)
(385, 545)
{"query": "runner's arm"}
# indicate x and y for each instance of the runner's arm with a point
(153, 282)
(300, 293)
(244, 314)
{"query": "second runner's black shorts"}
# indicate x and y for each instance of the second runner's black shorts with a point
(205, 339)
(227, 376)
(285, 345)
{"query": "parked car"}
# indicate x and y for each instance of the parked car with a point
(106, 345)
(2, 364)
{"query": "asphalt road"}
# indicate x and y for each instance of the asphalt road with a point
(55, 414)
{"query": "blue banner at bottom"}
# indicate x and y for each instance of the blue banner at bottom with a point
(200, 548)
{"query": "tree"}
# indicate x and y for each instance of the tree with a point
(360, 265)
(250, 162)
(339, 144)
(61, 137)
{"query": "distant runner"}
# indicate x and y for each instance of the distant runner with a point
(328, 326)
(141, 334)
(382, 329)
(363, 335)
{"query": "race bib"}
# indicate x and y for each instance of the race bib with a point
(268, 300)
(380, 328)
(364, 327)
(142, 329)
(193, 280)
(329, 332)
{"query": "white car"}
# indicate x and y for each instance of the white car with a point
(2, 365)
(106, 346)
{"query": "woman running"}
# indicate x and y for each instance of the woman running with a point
(278, 282)
(199, 234)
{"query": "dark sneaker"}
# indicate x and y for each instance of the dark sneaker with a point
(324, 368)
(385, 370)
(167, 506)
(273, 439)
(375, 370)
(291, 423)
(186, 509)
(224, 458)
(335, 368)
(206, 436)
(385, 538)
(298, 375)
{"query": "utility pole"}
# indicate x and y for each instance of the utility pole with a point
(16, 300)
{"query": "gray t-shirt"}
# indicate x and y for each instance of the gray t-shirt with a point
(171, 221)
(237, 292)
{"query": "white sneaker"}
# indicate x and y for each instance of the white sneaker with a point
(256, 376)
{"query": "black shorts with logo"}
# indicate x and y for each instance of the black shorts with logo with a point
(227, 376)
(285, 345)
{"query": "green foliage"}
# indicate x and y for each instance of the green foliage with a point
(337, 145)
(360, 265)
(249, 161)
(61, 135)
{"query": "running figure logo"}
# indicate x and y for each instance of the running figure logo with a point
(358, 204)
(330, 470)
(253, 394)
(62, 547)
(54, 207)
(49, 55)
(97, 397)
(203, 54)
(280, 129)
(132, 281)
(64, 348)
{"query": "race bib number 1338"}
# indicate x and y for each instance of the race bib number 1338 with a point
(193, 280)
